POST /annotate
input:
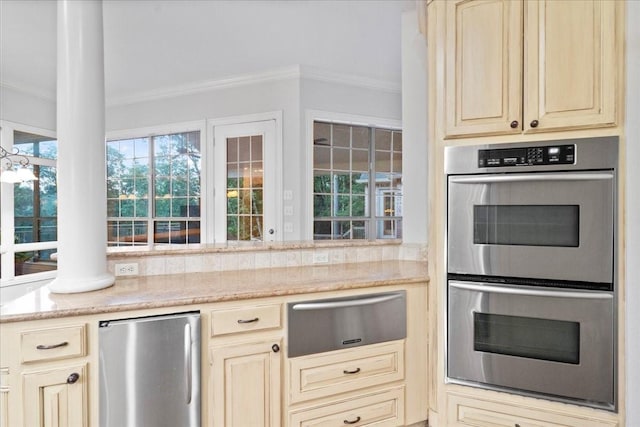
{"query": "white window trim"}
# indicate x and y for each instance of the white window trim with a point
(7, 245)
(312, 116)
(221, 186)
(171, 128)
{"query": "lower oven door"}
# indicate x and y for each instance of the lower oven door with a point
(549, 341)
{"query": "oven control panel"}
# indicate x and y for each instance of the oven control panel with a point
(527, 156)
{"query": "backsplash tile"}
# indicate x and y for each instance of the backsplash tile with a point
(227, 258)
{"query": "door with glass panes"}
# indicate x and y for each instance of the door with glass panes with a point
(245, 182)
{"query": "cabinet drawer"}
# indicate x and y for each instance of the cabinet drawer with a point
(383, 409)
(54, 343)
(331, 373)
(244, 319)
(464, 411)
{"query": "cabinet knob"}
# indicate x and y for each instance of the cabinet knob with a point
(514, 124)
(275, 348)
(271, 231)
(534, 123)
(73, 378)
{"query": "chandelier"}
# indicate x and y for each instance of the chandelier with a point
(14, 159)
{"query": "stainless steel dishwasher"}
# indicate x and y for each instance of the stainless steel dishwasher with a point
(150, 371)
(331, 324)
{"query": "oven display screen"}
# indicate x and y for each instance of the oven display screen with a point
(527, 225)
(544, 339)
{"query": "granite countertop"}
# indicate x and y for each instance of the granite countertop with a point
(200, 288)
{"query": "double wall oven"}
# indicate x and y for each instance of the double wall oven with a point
(531, 233)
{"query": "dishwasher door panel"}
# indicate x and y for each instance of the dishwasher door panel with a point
(150, 371)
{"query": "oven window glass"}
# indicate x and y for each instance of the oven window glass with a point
(526, 225)
(552, 340)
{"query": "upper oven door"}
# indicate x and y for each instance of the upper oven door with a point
(556, 226)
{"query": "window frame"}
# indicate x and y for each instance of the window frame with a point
(8, 247)
(172, 128)
(312, 116)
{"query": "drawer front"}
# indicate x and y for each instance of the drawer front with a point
(245, 319)
(55, 343)
(328, 374)
(383, 409)
(465, 411)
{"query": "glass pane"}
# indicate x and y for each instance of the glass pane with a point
(360, 160)
(256, 148)
(48, 230)
(397, 141)
(232, 175)
(360, 137)
(341, 136)
(127, 208)
(33, 262)
(321, 182)
(359, 183)
(383, 161)
(232, 228)
(193, 235)
(397, 162)
(142, 208)
(24, 230)
(232, 202)
(383, 139)
(321, 206)
(321, 157)
(36, 145)
(321, 230)
(528, 225)
(256, 202)
(389, 229)
(543, 339)
(232, 150)
(359, 230)
(342, 183)
(358, 206)
(23, 199)
(244, 203)
(321, 134)
(343, 207)
(162, 207)
(341, 159)
(244, 149)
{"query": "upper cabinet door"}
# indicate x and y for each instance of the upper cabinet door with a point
(483, 90)
(570, 64)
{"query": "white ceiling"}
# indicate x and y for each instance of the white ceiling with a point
(153, 45)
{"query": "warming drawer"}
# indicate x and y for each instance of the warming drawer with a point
(333, 324)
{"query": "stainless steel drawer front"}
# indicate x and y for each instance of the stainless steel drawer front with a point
(332, 324)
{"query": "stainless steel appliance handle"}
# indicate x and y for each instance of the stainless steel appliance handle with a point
(565, 176)
(473, 286)
(346, 303)
(187, 357)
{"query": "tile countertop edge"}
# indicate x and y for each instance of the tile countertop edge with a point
(138, 294)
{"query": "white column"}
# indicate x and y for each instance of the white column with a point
(82, 221)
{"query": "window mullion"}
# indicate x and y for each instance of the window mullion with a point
(152, 192)
(371, 223)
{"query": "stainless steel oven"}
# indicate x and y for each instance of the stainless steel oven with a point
(531, 268)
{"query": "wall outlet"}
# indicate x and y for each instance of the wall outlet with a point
(321, 257)
(129, 269)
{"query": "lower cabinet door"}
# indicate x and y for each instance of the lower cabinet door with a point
(467, 411)
(245, 382)
(383, 409)
(56, 397)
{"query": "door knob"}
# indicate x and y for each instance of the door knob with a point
(71, 379)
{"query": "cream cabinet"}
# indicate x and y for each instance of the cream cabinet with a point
(515, 67)
(246, 366)
(45, 380)
(317, 382)
(470, 411)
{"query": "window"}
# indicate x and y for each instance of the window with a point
(154, 189)
(357, 182)
(28, 210)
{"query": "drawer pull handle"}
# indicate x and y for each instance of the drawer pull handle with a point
(52, 346)
(243, 321)
(71, 379)
(355, 371)
(357, 420)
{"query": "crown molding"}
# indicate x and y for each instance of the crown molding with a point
(44, 95)
(285, 73)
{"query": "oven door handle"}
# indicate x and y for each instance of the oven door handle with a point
(566, 176)
(472, 286)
